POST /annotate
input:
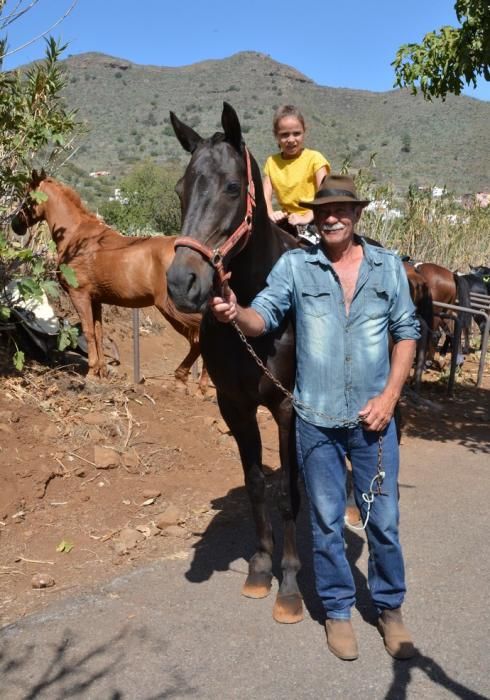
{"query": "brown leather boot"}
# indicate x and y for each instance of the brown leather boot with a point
(341, 639)
(398, 640)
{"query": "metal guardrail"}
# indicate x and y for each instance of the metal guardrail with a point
(481, 301)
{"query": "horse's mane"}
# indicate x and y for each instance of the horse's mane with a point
(73, 196)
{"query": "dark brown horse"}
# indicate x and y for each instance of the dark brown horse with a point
(447, 287)
(110, 268)
(225, 223)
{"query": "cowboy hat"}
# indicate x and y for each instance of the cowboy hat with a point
(333, 189)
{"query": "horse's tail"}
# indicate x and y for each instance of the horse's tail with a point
(464, 299)
(185, 324)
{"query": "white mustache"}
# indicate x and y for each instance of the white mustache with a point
(333, 227)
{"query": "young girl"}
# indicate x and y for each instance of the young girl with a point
(295, 173)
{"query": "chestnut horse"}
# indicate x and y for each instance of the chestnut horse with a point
(225, 224)
(422, 298)
(110, 268)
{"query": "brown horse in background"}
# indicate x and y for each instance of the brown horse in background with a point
(422, 298)
(448, 287)
(110, 268)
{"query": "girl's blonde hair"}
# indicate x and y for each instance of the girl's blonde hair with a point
(286, 111)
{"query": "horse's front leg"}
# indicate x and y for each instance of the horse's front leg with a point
(243, 425)
(181, 374)
(203, 380)
(288, 607)
(101, 369)
(83, 307)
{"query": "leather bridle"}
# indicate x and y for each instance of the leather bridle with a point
(215, 256)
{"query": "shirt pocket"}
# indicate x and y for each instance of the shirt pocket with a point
(376, 302)
(315, 300)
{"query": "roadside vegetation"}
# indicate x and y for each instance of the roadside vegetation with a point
(444, 229)
(35, 129)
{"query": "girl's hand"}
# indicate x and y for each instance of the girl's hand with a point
(278, 216)
(300, 219)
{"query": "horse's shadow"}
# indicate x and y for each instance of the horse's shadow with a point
(230, 537)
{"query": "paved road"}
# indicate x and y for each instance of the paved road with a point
(180, 629)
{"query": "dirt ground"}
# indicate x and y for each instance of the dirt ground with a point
(97, 477)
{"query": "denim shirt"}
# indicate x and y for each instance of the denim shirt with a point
(341, 361)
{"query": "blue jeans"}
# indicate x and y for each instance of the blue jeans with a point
(321, 456)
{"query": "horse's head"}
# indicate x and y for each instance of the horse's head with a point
(32, 209)
(217, 200)
(482, 271)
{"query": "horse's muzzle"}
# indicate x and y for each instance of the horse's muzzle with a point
(19, 226)
(190, 282)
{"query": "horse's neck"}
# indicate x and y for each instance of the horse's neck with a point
(63, 216)
(252, 266)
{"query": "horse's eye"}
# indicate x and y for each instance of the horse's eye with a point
(232, 188)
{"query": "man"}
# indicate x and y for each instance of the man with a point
(347, 297)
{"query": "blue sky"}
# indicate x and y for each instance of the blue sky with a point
(349, 44)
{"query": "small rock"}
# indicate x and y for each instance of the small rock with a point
(106, 457)
(170, 516)
(131, 460)
(42, 580)
(174, 531)
(151, 493)
(128, 539)
(149, 530)
(80, 471)
(222, 427)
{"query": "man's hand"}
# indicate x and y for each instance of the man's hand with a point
(378, 412)
(225, 310)
(246, 318)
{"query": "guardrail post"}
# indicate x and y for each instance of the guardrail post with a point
(136, 346)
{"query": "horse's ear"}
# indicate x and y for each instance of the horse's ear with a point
(35, 178)
(43, 175)
(188, 138)
(231, 126)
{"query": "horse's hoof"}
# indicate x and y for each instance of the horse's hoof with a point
(181, 387)
(352, 515)
(257, 586)
(288, 609)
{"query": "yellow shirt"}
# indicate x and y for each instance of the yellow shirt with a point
(293, 179)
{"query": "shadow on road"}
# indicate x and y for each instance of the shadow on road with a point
(61, 670)
(402, 676)
(230, 536)
(463, 419)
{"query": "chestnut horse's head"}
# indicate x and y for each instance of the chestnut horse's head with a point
(32, 209)
(216, 195)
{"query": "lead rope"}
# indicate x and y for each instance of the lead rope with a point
(378, 478)
(368, 496)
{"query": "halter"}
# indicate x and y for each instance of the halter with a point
(215, 256)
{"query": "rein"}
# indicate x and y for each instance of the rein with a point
(215, 256)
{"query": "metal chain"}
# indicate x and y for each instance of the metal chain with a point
(278, 384)
(378, 478)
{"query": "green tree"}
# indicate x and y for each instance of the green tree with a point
(147, 201)
(448, 58)
(34, 126)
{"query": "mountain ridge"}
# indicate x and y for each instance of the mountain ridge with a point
(125, 108)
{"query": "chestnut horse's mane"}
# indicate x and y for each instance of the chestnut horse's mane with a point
(73, 196)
